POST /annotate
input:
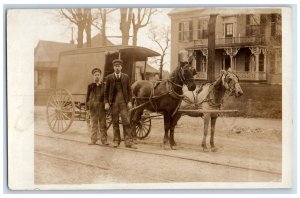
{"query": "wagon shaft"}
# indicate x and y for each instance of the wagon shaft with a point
(206, 111)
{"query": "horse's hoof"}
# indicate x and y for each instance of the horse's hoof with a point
(166, 147)
(205, 150)
(174, 147)
(214, 149)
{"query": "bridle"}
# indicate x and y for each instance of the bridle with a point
(183, 80)
(230, 87)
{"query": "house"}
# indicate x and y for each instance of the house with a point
(247, 40)
(149, 73)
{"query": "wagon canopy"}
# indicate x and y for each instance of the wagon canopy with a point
(74, 70)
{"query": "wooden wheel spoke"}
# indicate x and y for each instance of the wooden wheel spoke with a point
(55, 101)
(53, 119)
(64, 121)
(65, 101)
(64, 115)
(139, 132)
(53, 104)
(54, 123)
(144, 130)
(60, 110)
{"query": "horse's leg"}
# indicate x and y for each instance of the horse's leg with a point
(175, 119)
(206, 119)
(212, 134)
(167, 118)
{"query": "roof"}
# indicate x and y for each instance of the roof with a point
(139, 52)
(225, 10)
(97, 41)
(149, 68)
(48, 51)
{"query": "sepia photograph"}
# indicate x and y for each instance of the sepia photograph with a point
(150, 98)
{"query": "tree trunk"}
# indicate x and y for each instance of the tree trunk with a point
(134, 36)
(161, 64)
(80, 36)
(103, 29)
(88, 36)
(88, 28)
(211, 48)
(126, 17)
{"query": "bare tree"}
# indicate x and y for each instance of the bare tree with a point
(140, 18)
(88, 27)
(160, 36)
(100, 22)
(125, 23)
(83, 19)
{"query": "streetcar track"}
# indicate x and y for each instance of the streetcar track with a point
(97, 166)
(171, 156)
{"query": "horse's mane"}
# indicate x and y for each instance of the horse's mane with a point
(174, 73)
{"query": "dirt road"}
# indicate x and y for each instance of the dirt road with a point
(248, 150)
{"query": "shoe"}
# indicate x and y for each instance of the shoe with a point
(92, 143)
(115, 144)
(105, 143)
(131, 146)
(134, 141)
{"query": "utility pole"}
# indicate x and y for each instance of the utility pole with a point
(211, 48)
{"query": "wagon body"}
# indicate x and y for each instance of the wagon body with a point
(75, 66)
(67, 102)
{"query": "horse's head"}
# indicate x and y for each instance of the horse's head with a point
(231, 83)
(186, 74)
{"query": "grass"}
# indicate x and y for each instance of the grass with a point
(259, 100)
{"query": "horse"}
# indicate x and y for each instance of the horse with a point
(210, 97)
(163, 97)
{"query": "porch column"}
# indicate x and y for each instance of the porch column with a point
(256, 51)
(205, 53)
(264, 51)
(232, 52)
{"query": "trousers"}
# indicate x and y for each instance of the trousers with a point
(120, 109)
(98, 122)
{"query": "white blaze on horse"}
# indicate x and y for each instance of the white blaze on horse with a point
(210, 97)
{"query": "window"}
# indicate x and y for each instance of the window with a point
(275, 24)
(261, 62)
(253, 24)
(185, 31)
(202, 29)
(229, 30)
(200, 63)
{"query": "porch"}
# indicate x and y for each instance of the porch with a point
(249, 63)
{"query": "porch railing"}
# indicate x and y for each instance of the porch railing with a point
(201, 76)
(252, 40)
(243, 75)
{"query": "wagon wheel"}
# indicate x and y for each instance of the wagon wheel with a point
(60, 111)
(143, 128)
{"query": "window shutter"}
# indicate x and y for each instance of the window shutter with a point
(190, 30)
(180, 31)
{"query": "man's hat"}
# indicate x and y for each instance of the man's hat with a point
(117, 61)
(96, 70)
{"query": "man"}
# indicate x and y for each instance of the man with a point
(117, 95)
(95, 105)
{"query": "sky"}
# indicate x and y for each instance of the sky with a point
(44, 24)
